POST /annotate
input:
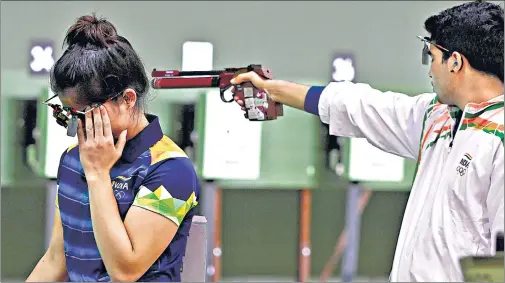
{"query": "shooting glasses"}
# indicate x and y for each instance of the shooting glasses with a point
(67, 116)
(425, 58)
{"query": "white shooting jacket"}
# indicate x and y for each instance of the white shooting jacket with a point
(455, 206)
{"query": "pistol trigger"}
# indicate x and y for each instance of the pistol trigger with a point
(222, 91)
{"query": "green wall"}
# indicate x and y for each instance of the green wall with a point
(260, 231)
(22, 203)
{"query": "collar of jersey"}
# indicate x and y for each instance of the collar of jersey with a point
(149, 136)
(473, 108)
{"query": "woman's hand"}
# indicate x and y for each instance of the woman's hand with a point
(96, 146)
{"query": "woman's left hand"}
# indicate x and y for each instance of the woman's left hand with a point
(96, 148)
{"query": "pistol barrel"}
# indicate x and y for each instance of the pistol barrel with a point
(175, 73)
(184, 82)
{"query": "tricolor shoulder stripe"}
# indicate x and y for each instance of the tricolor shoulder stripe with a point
(422, 140)
(497, 106)
(483, 125)
(487, 125)
(434, 103)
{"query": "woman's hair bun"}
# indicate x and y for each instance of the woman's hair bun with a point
(91, 30)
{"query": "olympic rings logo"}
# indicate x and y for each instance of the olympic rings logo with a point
(461, 170)
(119, 194)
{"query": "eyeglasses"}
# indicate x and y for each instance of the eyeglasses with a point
(67, 116)
(425, 59)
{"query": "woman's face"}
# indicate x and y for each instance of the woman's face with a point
(119, 111)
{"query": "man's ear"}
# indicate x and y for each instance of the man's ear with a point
(130, 97)
(455, 62)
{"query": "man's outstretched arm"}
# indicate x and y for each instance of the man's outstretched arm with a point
(391, 121)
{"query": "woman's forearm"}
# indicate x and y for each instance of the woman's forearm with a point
(49, 269)
(52, 266)
(110, 233)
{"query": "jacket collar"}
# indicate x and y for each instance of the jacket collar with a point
(148, 137)
(474, 108)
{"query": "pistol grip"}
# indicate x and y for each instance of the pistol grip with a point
(259, 106)
(279, 108)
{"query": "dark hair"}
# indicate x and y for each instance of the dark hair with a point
(98, 63)
(474, 29)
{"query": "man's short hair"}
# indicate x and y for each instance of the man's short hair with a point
(474, 29)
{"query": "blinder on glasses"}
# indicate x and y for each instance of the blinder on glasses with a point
(425, 57)
(67, 117)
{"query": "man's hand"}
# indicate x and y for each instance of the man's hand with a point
(96, 148)
(256, 80)
(290, 94)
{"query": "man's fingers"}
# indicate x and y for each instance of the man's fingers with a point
(239, 102)
(238, 79)
(245, 77)
(250, 76)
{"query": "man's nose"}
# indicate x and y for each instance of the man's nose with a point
(429, 74)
